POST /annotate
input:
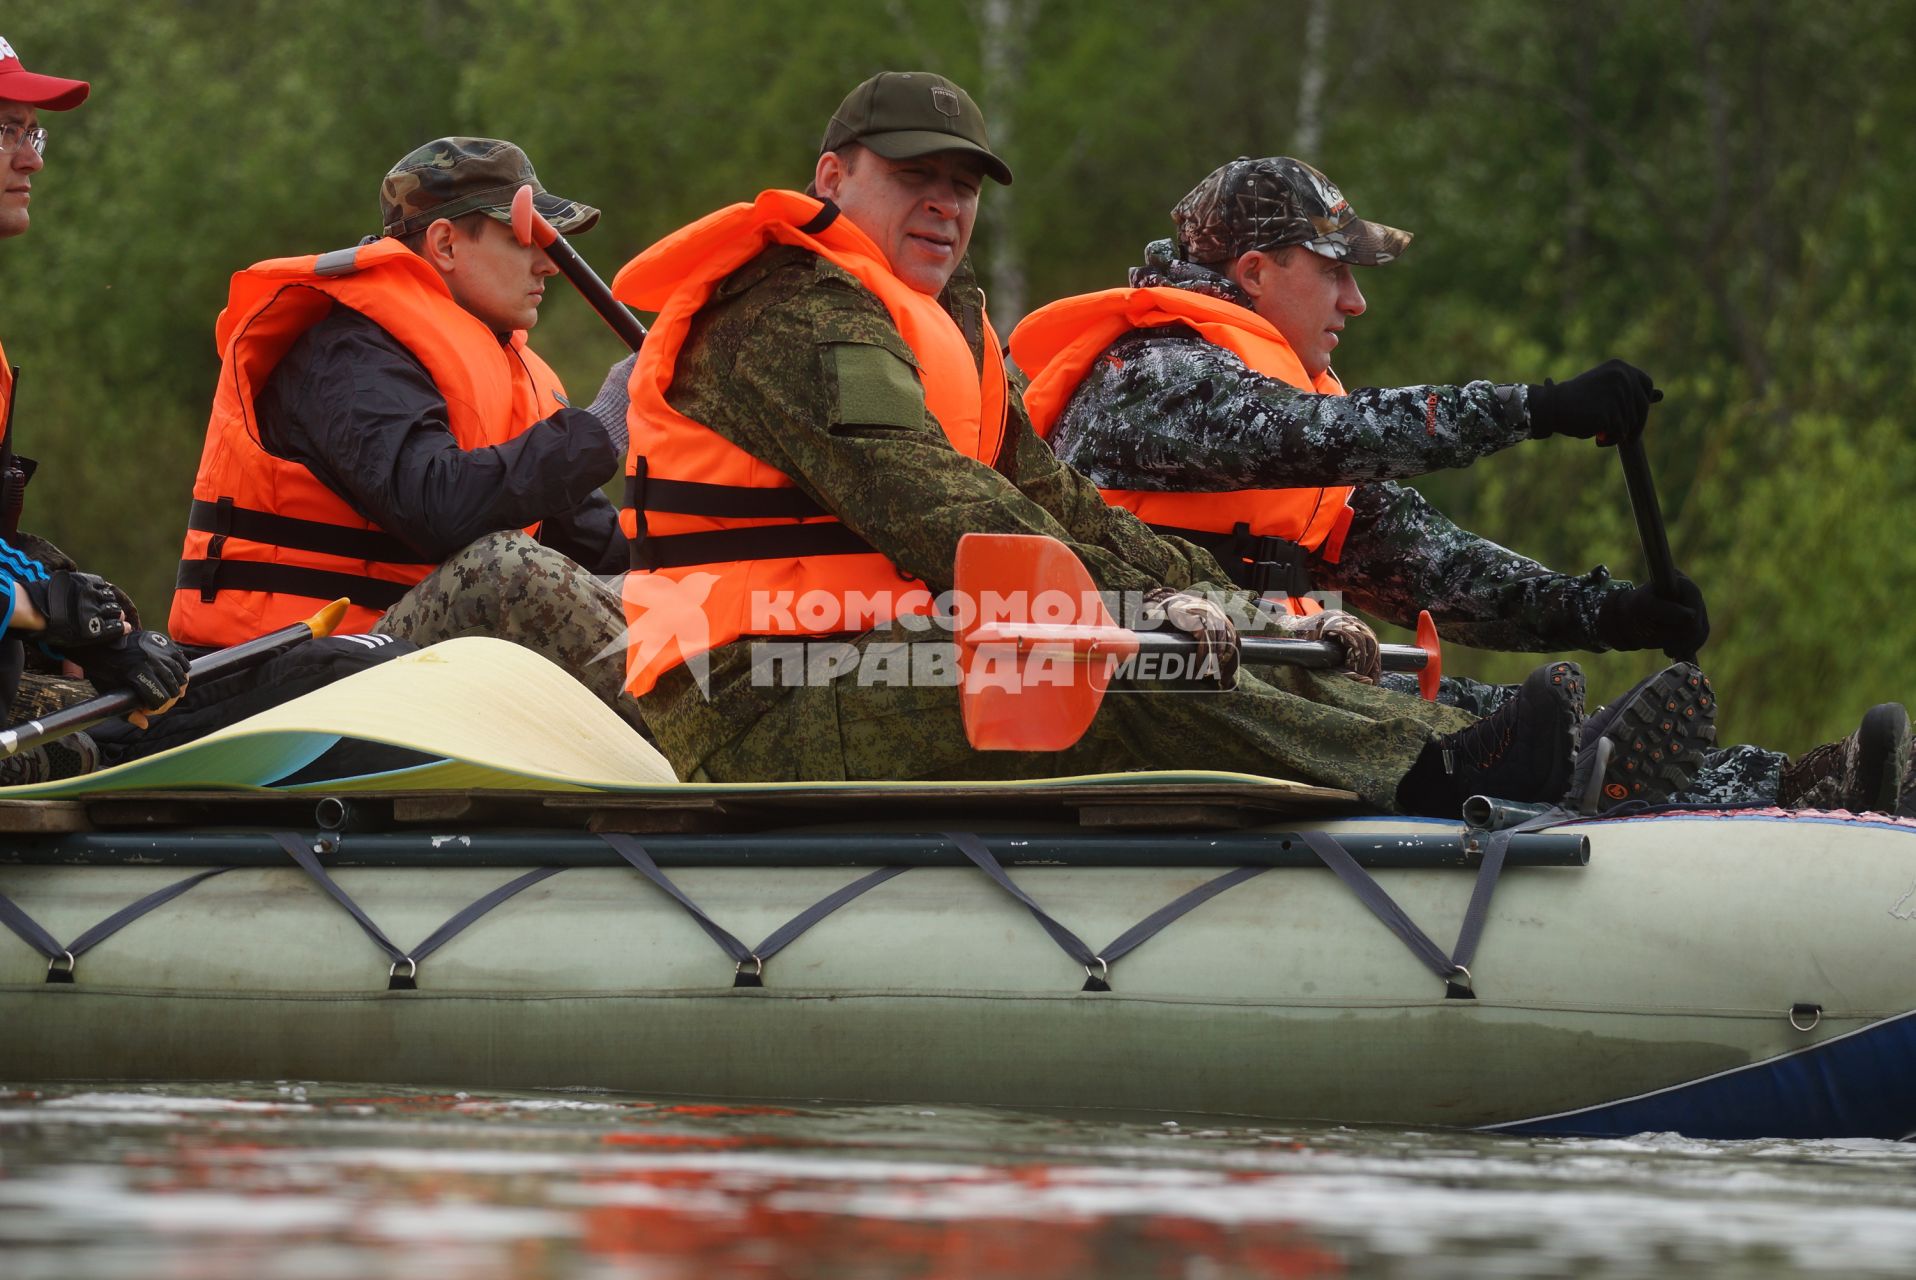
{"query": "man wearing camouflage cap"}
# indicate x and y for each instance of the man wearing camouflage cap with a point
(825, 358)
(1202, 398)
(383, 431)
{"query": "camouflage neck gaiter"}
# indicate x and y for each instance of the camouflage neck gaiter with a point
(1163, 269)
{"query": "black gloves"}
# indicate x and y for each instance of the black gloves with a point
(79, 608)
(1203, 619)
(146, 662)
(1641, 619)
(1610, 402)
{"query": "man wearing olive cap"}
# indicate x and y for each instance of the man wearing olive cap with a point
(383, 431)
(821, 412)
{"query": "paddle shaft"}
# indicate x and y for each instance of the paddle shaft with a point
(530, 227)
(595, 292)
(1275, 650)
(1649, 514)
(84, 715)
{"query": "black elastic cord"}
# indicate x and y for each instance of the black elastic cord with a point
(755, 542)
(1095, 969)
(748, 963)
(299, 852)
(29, 931)
(1385, 908)
(1149, 927)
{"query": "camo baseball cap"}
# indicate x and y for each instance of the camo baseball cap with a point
(1274, 202)
(453, 176)
(901, 114)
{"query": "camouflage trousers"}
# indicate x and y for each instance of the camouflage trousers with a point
(75, 754)
(1282, 721)
(508, 586)
(1741, 774)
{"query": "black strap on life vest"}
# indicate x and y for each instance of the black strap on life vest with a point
(210, 577)
(1266, 565)
(223, 520)
(823, 537)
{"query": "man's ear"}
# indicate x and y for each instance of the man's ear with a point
(827, 174)
(1251, 273)
(437, 245)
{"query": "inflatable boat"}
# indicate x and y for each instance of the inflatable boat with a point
(542, 906)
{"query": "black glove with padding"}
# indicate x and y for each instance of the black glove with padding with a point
(146, 662)
(1610, 403)
(1639, 618)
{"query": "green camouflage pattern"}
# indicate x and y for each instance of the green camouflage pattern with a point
(1274, 202)
(508, 586)
(449, 177)
(761, 366)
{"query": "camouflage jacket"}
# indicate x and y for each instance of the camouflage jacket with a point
(790, 362)
(1166, 411)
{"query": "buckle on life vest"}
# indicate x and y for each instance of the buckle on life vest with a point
(1272, 566)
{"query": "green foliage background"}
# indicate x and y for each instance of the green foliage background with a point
(1716, 190)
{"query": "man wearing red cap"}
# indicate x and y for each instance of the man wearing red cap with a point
(60, 623)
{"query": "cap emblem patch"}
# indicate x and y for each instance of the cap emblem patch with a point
(6, 51)
(945, 100)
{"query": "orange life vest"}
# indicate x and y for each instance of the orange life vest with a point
(1058, 345)
(721, 539)
(267, 541)
(6, 387)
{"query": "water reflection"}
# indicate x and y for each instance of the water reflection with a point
(308, 1181)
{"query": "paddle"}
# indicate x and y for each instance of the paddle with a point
(1034, 683)
(82, 715)
(529, 226)
(1649, 515)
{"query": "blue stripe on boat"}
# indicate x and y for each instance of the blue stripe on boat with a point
(1856, 1085)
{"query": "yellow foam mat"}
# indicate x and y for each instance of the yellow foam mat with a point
(503, 717)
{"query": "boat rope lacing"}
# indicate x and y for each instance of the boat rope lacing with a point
(633, 852)
(62, 961)
(749, 963)
(300, 852)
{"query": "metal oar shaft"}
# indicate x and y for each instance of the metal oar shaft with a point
(84, 715)
(1278, 650)
(595, 292)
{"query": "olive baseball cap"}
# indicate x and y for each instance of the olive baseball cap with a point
(17, 84)
(1274, 202)
(453, 176)
(901, 114)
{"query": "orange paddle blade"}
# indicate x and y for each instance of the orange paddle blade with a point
(1022, 690)
(529, 226)
(1434, 664)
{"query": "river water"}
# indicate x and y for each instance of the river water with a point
(311, 1182)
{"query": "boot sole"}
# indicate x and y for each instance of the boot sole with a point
(1659, 738)
(1882, 755)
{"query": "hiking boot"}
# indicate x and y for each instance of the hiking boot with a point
(67, 757)
(1646, 746)
(1522, 751)
(1864, 772)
